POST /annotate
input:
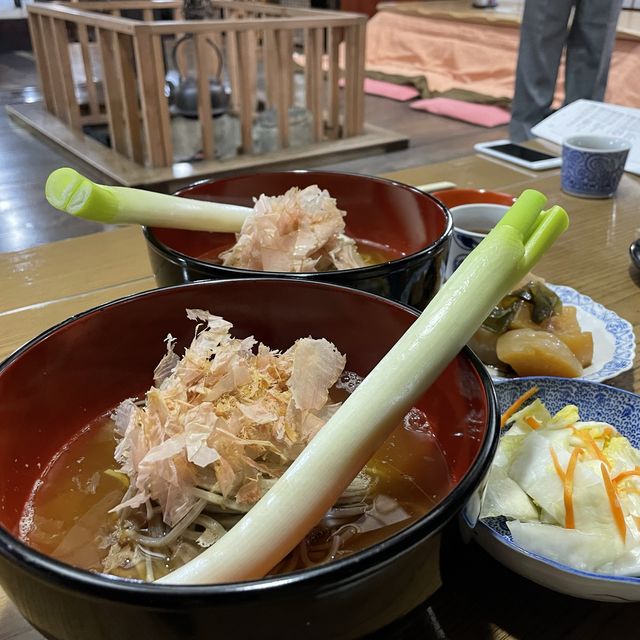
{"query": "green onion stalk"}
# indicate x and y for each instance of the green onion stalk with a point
(71, 192)
(312, 484)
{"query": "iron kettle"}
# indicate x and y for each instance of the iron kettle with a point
(183, 91)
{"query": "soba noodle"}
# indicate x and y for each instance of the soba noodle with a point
(208, 440)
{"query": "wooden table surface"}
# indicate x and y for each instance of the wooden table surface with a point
(479, 599)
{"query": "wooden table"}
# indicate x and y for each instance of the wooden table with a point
(479, 599)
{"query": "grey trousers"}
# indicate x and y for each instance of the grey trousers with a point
(545, 31)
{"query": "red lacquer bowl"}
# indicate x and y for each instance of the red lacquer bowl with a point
(414, 226)
(55, 385)
(456, 197)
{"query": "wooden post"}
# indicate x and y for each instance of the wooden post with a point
(85, 49)
(314, 50)
(233, 67)
(333, 112)
(70, 111)
(250, 65)
(52, 66)
(358, 124)
(308, 65)
(272, 67)
(351, 81)
(40, 51)
(204, 98)
(243, 40)
(126, 73)
(113, 92)
(281, 81)
(148, 90)
(286, 56)
(162, 103)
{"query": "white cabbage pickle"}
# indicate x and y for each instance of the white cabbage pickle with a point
(569, 489)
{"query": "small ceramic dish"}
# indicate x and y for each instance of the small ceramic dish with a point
(595, 402)
(472, 223)
(614, 343)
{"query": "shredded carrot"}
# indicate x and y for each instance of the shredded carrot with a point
(585, 436)
(556, 464)
(623, 475)
(517, 404)
(616, 509)
(533, 422)
(569, 518)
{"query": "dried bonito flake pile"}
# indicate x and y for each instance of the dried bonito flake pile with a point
(224, 417)
(300, 231)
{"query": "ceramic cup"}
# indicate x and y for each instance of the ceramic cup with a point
(593, 165)
(471, 223)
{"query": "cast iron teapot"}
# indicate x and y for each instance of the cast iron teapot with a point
(183, 92)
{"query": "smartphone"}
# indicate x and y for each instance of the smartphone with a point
(519, 154)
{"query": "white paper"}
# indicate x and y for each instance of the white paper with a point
(586, 117)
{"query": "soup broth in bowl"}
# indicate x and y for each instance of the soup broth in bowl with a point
(402, 233)
(69, 515)
(75, 374)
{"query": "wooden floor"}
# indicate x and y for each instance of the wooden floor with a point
(25, 162)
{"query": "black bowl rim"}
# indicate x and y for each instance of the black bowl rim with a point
(634, 252)
(185, 260)
(352, 567)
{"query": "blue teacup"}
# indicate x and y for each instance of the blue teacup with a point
(593, 165)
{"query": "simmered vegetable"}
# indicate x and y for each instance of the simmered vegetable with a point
(537, 353)
(534, 300)
(566, 327)
(531, 331)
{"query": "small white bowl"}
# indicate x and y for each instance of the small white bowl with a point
(471, 223)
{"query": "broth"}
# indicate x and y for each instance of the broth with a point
(67, 516)
(371, 252)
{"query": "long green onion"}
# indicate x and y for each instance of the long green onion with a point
(299, 499)
(69, 191)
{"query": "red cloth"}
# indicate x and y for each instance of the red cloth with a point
(401, 92)
(485, 115)
(454, 54)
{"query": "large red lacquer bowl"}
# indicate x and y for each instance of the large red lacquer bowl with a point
(413, 225)
(53, 386)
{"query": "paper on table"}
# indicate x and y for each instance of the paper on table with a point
(589, 117)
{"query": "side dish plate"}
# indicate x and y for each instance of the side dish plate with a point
(595, 402)
(614, 343)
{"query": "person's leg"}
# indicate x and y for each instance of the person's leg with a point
(589, 46)
(542, 38)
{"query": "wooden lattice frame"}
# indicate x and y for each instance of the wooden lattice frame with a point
(133, 68)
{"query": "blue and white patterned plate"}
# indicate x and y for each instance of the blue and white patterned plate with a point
(614, 343)
(595, 402)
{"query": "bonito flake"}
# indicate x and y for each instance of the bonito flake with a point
(300, 231)
(223, 417)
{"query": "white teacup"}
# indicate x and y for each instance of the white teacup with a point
(471, 223)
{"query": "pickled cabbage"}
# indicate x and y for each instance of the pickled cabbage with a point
(569, 490)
